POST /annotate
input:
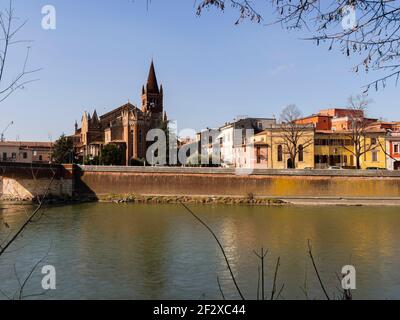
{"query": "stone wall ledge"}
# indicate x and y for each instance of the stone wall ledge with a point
(242, 172)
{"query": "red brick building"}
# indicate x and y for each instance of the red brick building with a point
(126, 126)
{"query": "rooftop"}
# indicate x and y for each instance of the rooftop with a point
(26, 144)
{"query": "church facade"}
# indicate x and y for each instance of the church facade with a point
(126, 126)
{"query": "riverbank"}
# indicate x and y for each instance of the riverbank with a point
(200, 184)
(252, 200)
(167, 199)
(249, 200)
(361, 202)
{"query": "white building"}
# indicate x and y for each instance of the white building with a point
(25, 152)
(234, 134)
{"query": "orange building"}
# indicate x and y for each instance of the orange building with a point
(335, 119)
(340, 113)
(320, 122)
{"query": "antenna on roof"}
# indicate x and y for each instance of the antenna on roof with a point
(4, 131)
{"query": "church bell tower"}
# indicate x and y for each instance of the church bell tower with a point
(152, 94)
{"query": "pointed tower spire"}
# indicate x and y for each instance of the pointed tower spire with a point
(152, 85)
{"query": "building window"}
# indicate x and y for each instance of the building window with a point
(14, 155)
(301, 153)
(25, 155)
(4, 156)
(396, 148)
(280, 153)
(140, 136)
(373, 141)
(374, 156)
(258, 155)
(40, 158)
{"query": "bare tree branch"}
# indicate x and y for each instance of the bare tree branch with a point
(296, 137)
(278, 263)
(358, 131)
(30, 219)
(220, 246)
(8, 31)
(316, 270)
(220, 289)
(374, 35)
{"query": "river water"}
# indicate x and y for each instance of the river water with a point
(131, 251)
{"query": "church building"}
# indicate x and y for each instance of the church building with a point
(125, 126)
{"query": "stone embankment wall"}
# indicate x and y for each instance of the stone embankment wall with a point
(25, 181)
(98, 181)
(22, 181)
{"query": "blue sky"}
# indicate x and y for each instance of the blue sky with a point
(99, 55)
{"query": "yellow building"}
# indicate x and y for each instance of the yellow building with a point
(338, 149)
(320, 149)
(333, 149)
(376, 157)
(274, 148)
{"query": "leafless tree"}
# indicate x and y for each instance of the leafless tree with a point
(245, 8)
(316, 270)
(296, 138)
(374, 35)
(357, 132)
(261, 256)
(278, 264)
(9, 28)
(220, 246)
(12, 237)
(275, 294)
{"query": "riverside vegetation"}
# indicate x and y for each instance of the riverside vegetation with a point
(250, 199)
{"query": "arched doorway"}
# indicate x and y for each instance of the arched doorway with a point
(290, 164)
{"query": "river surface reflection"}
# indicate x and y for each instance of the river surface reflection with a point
(109, 251)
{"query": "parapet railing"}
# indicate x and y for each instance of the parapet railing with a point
(20, 167)
(242, 172)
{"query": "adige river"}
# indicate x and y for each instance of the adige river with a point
(132, 251)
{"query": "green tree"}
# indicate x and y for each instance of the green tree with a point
(111, 155)
(137, 162)
(63, 150)
(91, 161)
